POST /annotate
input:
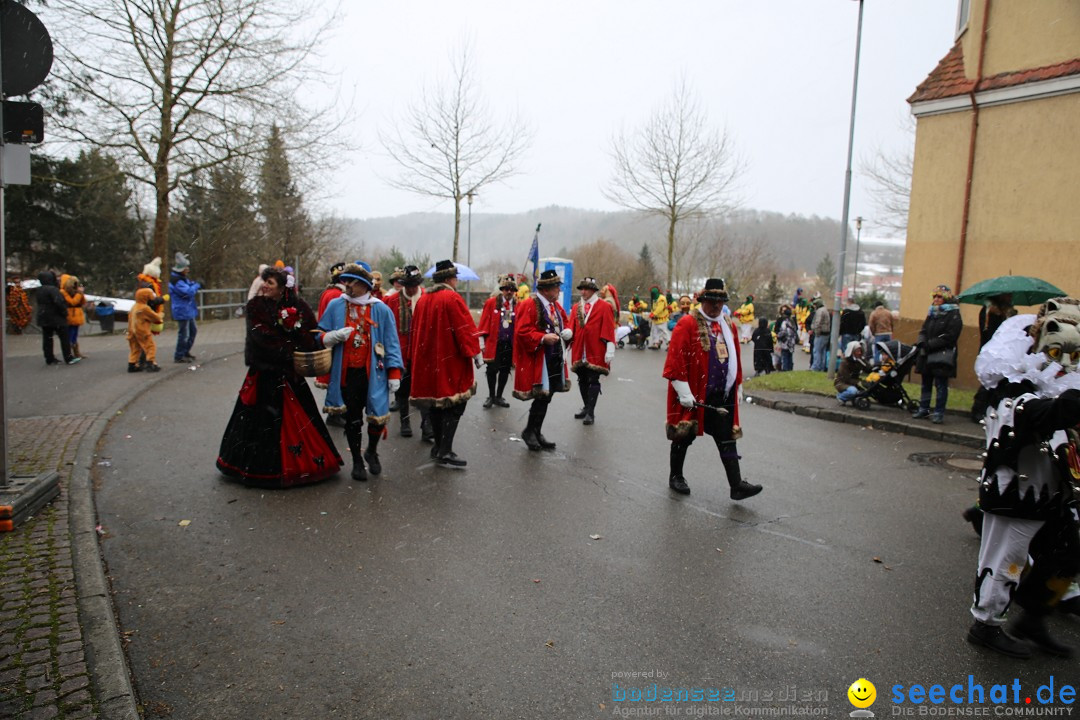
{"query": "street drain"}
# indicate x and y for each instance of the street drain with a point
(964, 462)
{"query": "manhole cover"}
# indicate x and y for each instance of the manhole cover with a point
(950, 461)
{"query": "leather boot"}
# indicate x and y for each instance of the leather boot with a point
(435, 426)
(354, 438)
(75, 350)
(371, 455)
(584, 390)
(590, 404)
(406, 418)
(740, 489)
(1032, 627)
(134, 367)
(993, 637)
(504, 375)
(528, 435)
(447, 457)
(426, 432)
(676, 481)
(544, 443)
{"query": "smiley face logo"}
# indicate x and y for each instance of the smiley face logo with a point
(862, 693)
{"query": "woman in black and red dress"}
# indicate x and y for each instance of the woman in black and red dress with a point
(276, 436)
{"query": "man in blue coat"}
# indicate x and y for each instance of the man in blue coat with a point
(366, 368)
(184, 293)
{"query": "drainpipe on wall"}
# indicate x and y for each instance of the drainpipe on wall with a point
(965, 220)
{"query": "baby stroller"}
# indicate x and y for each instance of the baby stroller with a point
(884, 383)
(639, 330)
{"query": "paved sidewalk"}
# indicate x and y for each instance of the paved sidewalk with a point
(60, 654)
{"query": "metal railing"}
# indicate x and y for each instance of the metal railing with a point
(224, 303)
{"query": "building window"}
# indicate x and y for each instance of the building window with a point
(963, 11)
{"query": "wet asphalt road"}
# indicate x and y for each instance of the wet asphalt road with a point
(431, 593)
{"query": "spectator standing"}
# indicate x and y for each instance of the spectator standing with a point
(937, 352)
(820, 327)
(52, 319)
(762, 338)
(72, 291)
(881, 327)
(185, 307)
(852, 322)
(787, 336)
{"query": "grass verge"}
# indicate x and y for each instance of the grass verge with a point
(818, 383)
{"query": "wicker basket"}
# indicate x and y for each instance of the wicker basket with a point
(312, 364)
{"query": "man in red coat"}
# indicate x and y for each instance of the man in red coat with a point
(496, 329)
(705, 373)
(403, 304)
(540, 329)
(333, 290)
(593, 323)
(442, 348)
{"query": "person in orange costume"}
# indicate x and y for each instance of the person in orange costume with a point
(704, 369)
(140, 339)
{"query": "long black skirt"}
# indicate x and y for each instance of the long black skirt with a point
(276, 436)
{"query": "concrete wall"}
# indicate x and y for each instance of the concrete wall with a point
(1013, 25)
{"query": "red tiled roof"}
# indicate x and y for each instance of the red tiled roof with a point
(948, 78)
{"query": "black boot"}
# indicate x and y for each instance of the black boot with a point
(590, 403)
(372, 453)
(491, 387)
(447, 457)
(132, 367)
(489, 402)
(584, 390)
(426, 432)
(435, 427)
(676, 481)
(353, 435)
(504, 375)
(528, 435)
(541, 413)
(1032, 627)
(406, 417)
(993, 637)
(740, 489)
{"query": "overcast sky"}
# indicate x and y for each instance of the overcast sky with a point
(776, 73)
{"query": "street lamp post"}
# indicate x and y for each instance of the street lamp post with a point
(855, 275)
(834, 333)
(468, 252)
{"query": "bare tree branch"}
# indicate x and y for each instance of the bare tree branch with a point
(447, 145)
(889, 178)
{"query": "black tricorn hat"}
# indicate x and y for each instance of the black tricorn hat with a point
(549, 278)
(714, 290)
(444, 270)
(336, 269)
(411, 276)
(588, 283)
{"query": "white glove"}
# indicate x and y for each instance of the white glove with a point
(482, 342)
(682, 389)
(331, 338)
(394, 385)
(609, 354)
(478, 361)
(567, 335)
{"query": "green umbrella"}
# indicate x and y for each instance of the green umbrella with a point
(1024, 290)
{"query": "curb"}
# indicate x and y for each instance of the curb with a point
(886, 425)
(105, 656)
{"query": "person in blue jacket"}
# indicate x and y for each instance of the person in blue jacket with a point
(184, 293)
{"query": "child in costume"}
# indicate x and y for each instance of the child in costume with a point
(141, 318)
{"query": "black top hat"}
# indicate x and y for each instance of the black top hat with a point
(588, 283)
(444, 270)
(411, 276)
(549, 278)
(714, 290)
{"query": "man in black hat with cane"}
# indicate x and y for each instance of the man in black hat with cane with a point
(704, 369)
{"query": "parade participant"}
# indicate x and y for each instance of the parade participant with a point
(150, 277)
(142, 316)
(704, 369)
(366, 368)
(1027, 490)
(593, 326)
(442, 343)
(377, 291)
(803, 313)
(540, 328)
(523, 291)
(745, 316)
(19, 310)
(661, 310)
(275, 437)
(335, 289)
(185, 307)
(637, 305)
(403, 305)
(496, 332)
(395, 280)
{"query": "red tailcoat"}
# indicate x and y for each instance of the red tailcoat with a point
(529, 349)
(688, 360)
(442, 345)
(394, 300)
(591, 337)
(490, 321)
(333, 291)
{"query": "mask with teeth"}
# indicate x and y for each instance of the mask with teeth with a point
(1057, 333)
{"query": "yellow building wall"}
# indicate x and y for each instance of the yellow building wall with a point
(1024, 214)
(1013, 25)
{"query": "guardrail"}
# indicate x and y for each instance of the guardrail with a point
(224, 303)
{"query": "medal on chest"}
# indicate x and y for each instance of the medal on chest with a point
(721, 345)
(358, 338)
(506, 315)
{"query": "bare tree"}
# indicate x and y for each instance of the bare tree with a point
(889, 176)
(447, 144)
(676, 166)
(707, 248)
(175, 88)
